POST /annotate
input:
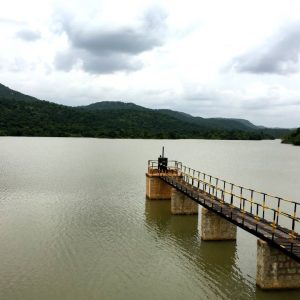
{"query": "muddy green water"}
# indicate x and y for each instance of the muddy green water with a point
(75, 224)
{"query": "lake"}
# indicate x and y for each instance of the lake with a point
(75, 223)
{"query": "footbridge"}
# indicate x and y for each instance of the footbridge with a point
(275, 221)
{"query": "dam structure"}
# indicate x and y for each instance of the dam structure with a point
(273, 220)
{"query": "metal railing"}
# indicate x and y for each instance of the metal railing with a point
(281, 215)
(174, 166)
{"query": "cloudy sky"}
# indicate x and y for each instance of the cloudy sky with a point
(233, 58)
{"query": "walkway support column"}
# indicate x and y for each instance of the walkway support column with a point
(182, 204)
(275, 270)
(156, 188)
(216, 228)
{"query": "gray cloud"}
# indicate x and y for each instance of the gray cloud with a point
(213, 101)
(28, 35)
(108, 63)
(107, 50)
(123, 40)
(65, 60)
(279, 55)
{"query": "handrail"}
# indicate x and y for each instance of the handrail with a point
(279, 213)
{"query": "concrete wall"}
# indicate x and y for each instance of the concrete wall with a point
(275, 270)
(157, 189)
(216, 228)
(182, 205)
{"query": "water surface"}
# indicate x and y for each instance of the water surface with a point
(75, 224)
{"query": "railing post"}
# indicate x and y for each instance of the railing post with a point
(251, 201)
(293, 225)
(193, 178)
(231, 199)
(278, 206)
(273, 224)
(241, 197)
(264, 202)
(256, 217)
(217, 181)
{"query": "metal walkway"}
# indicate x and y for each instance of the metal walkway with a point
(273, 219)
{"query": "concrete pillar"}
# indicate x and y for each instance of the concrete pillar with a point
(275, 270)
(182, 205)
(156, 188)
(216, 228)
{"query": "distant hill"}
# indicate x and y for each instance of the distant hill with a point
(228, 124)
(209, 123)
(292, 138)
(22, 115)
(183, 116)
(237, 123)
(112, 105)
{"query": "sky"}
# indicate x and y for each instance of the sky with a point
(232, 59)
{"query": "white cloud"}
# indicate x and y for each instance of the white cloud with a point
(278, 55)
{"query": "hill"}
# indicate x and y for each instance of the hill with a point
(22, 115)
(111, 105)
(208, 124)
(7, 93)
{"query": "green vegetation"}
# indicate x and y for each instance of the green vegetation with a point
(292, 138)
(22, 115)
(41, 118)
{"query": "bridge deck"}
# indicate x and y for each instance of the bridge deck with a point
(280, 237)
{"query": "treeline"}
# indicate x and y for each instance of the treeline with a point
(292, 138)
(42, 118)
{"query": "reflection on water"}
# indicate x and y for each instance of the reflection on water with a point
(213, 260)
(74, 222)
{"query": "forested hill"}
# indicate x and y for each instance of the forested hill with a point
(22, 115)
(209, 123)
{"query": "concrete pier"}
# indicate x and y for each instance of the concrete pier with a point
(275, 270)
(181, 204)
(156, 188)
(216, 228)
